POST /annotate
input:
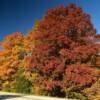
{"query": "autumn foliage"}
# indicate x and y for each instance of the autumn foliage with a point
(55, 57)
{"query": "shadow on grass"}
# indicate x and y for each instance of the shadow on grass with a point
(4, 97)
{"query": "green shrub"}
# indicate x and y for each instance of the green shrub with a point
(22, 85)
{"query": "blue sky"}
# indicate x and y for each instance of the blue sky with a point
(20, 15)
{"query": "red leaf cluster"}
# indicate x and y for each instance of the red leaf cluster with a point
(80, 74)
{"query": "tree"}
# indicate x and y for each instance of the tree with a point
(64, 37)
(11, 59)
